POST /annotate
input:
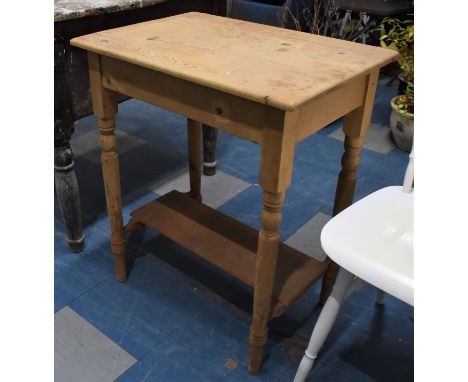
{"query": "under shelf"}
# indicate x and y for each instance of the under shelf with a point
(229, 244)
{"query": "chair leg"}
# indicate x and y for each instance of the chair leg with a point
(324, 323)
(379, 298)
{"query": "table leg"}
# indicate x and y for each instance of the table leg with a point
(68, 195)
(275, 177)
(267, 253)
(66, 185)
(210, 136)
(355, 126)
(194, 131)
(111, 174)
(105, 108)
(343, 198)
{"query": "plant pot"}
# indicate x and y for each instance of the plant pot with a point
(402, 125)
(402, 83)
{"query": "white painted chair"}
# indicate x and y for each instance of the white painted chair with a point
(371, 241)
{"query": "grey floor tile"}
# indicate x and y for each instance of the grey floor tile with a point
(83, 353)
(87, 144)
(378, 138)
(307, 238)
(216, 190)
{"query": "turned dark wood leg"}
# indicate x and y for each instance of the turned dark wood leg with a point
(66, 187)
(194, 149)
(210, 136)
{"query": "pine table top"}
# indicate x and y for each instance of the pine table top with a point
(274, 66)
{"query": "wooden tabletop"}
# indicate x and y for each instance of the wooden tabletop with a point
(274, 66)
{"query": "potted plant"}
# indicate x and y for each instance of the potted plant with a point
(400, 37)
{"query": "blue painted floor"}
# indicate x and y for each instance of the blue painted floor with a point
(184, 320)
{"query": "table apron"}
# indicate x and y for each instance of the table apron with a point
(321, 111)
(236, 115)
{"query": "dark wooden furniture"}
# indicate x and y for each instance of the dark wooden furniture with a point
(206, 68)
(72, 95)
(370, 13)
(383, 8)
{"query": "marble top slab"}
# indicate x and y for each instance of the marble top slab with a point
(73, 9)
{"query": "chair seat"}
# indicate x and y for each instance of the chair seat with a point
(373, 239)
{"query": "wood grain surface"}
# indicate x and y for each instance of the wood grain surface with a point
(230, 245)
(273, 66)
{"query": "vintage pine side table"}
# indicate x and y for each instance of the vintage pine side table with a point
(268, 85)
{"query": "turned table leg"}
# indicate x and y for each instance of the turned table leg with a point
(210, 136)
(111, 174)
(355, 126)
(105, 108)
(343, 198)
(267, 253)
(68, 195)
(66, 185)
(194, 131)
(275, 176)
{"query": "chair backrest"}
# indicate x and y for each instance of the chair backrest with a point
(409, 175)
